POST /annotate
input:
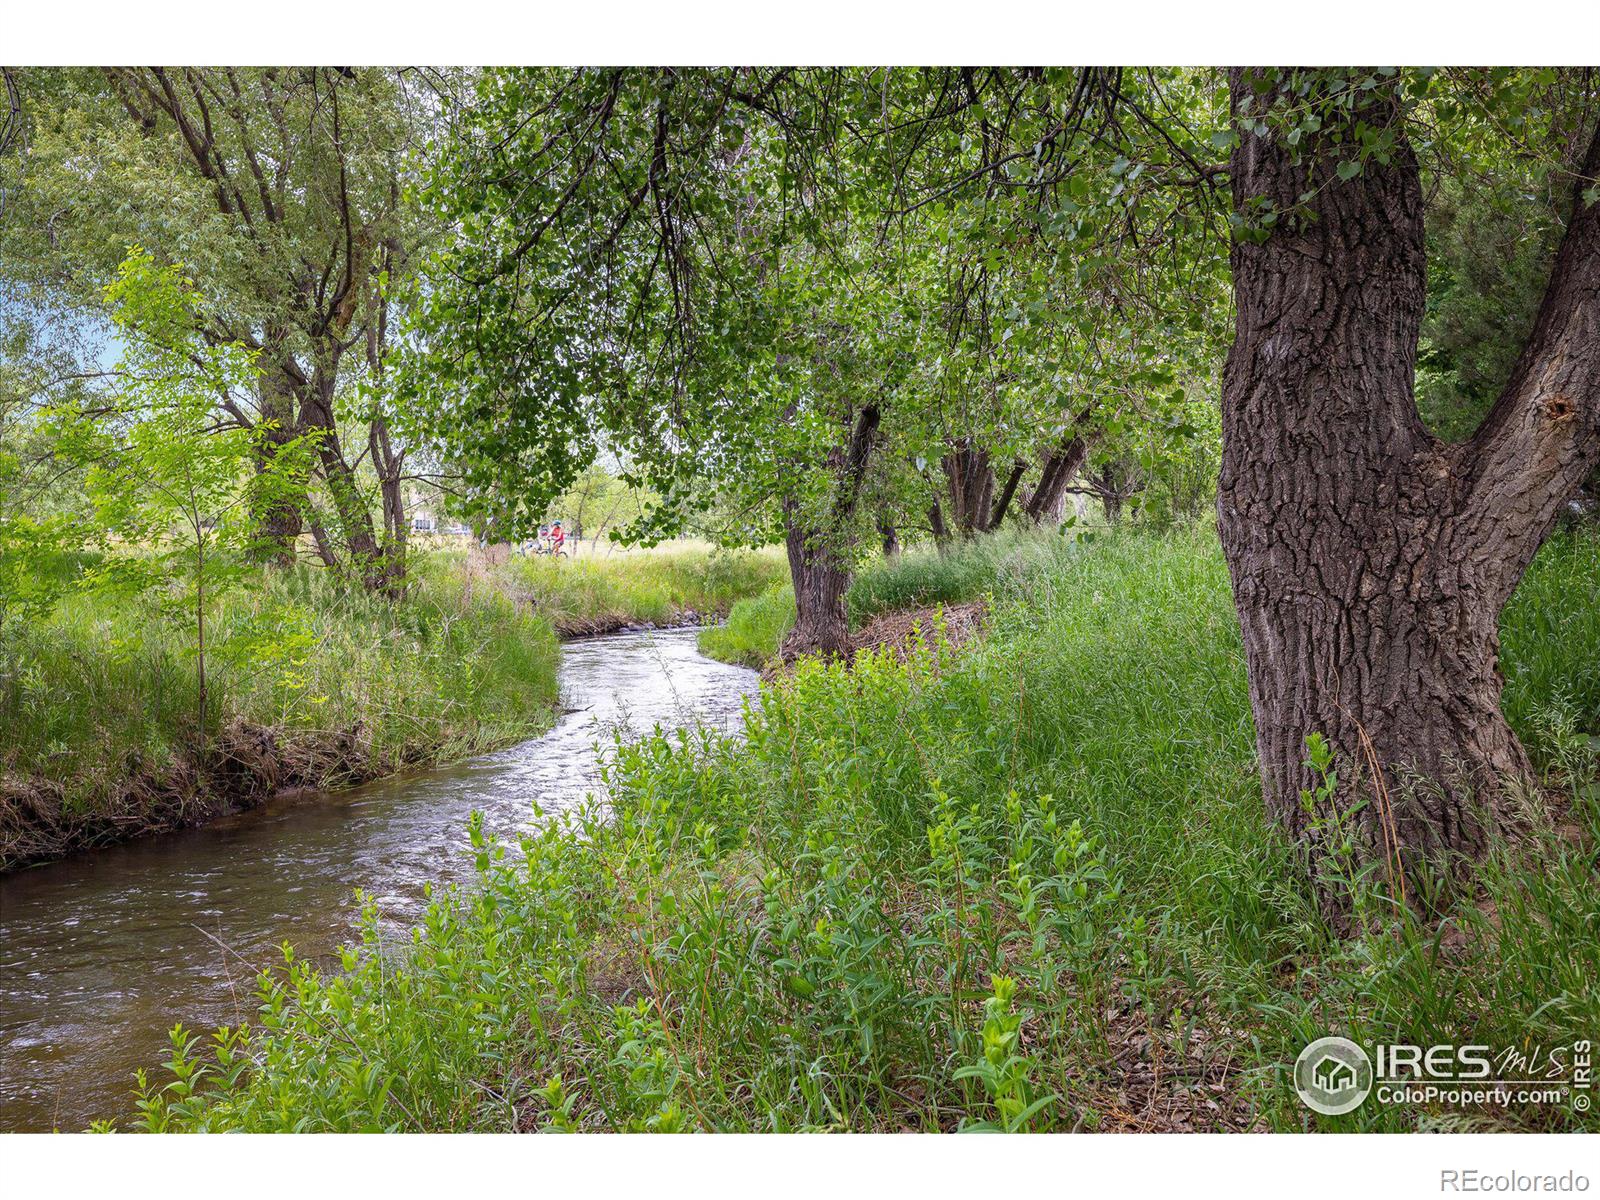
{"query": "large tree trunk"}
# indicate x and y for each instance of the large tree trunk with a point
(969, 482)
(820, 549)
(821, 576)
(282, 518)
(1370, 562)
(1047, 504)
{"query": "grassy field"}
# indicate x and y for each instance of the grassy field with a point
(596, 593)
(1028, 885)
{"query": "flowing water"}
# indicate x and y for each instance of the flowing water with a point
(102, 953)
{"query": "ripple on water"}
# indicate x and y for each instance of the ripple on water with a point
(121, 944)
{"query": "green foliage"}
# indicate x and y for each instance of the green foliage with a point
(726, 334)
(1489, 254)
(31, 554)
(44, 518)
(1014, 565)
(177, 496)
(971, 889)
(282, 191)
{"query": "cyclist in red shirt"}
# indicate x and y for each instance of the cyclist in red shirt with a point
(557, 538)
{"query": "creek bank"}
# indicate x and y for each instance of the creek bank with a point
(244, 767)
(569, 627)
(106, 950)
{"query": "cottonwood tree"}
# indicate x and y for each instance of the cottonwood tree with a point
(1371, 560)
(640, 255)
(729, 273)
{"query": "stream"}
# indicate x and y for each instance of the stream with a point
(101, 954)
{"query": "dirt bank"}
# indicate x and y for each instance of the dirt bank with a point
(245, 766)
(896, 631)
(580, 627)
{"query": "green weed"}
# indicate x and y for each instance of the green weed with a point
(1026, 885)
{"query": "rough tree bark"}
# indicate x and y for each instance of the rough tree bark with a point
(282, 519)
(969, 483)
(820, 551)
(1369, 560)
(1049, 499)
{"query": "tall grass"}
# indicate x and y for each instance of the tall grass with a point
(754, 629)
(106, 688)
(1005, 564)
(1029, 885)
(591, 593)
(1550, 646)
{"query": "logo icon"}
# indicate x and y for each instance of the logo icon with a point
(1333, 1076)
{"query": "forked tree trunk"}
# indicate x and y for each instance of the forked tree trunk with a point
(1047, 504)
(1112, 488)
(969, 483)
(1370, 561)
